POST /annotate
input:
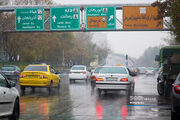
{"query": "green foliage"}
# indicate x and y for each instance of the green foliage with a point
(49, 47)
(171, 8)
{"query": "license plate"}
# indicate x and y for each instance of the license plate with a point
(7, 73)
(32, 76)
(111, 79)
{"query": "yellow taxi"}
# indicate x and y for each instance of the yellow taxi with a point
(39, 75)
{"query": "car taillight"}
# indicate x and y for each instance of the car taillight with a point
(177, 88)
(99, 79)
(15, 72)
(93, 77)
(43, 76)
(70, 72)
(84, 72)
(22, 76)
(124, 79)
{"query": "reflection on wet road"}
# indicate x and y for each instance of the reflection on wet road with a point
(78, 101)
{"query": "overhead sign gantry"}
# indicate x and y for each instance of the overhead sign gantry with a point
(136, 17)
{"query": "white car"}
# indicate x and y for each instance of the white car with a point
(114, 78)
(9, 99)
(79, 72)
(150, 71)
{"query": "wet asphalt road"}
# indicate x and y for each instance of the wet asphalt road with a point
(78, 101)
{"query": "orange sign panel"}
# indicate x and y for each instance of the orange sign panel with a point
(141, 17)
(97, 22)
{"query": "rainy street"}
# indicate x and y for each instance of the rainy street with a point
(79, 101)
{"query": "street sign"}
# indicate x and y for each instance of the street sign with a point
(65, 18)
(30, 19)
(141, 17)
(100, 18)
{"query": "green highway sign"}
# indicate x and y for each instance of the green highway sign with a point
(30, 19)
(65, 18)
(100, 18)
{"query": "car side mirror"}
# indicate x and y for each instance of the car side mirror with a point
(157, 58)
(12, 84)
(58, 73)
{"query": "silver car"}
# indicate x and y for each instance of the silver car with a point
(11, 72)
(9, 99)
(114, 78)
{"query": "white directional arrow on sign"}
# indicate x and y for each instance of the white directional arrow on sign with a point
(111, 17)
(54, 18)
(19, 19)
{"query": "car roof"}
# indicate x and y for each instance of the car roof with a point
(78, 66)
(113, 66)
(9, 66)
(38, 65)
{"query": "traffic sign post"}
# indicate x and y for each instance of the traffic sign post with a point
(65, 18)
(100, 18)
(29, 19)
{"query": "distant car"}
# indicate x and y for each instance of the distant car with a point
(78, 72)
(11, 72)
(39, 75)
(150, 71)
(175, 111)
(114, 78)
(142, 70)
(9, 99)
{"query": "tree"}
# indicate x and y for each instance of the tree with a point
(170, 8)
(148, 57)
(33, 2)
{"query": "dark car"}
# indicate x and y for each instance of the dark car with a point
(11, 72)
(175, 111)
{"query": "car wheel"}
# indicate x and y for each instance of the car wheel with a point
(86, 80)
(16, 111)
(33, 89)
(50, 87)
(59, 85)
(70, 80)
(174, 115)
(160, 89)
(22, 90)
(133, 86)
(105, 91)
(167, 89)
(99, 92)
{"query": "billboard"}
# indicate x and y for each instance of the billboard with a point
(141, 17)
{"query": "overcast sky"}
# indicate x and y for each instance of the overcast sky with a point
(131, 43)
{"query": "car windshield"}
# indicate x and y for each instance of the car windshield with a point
(113, 70)
(97, 69)
(36, 68)
(8, 68)
(78, 68)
